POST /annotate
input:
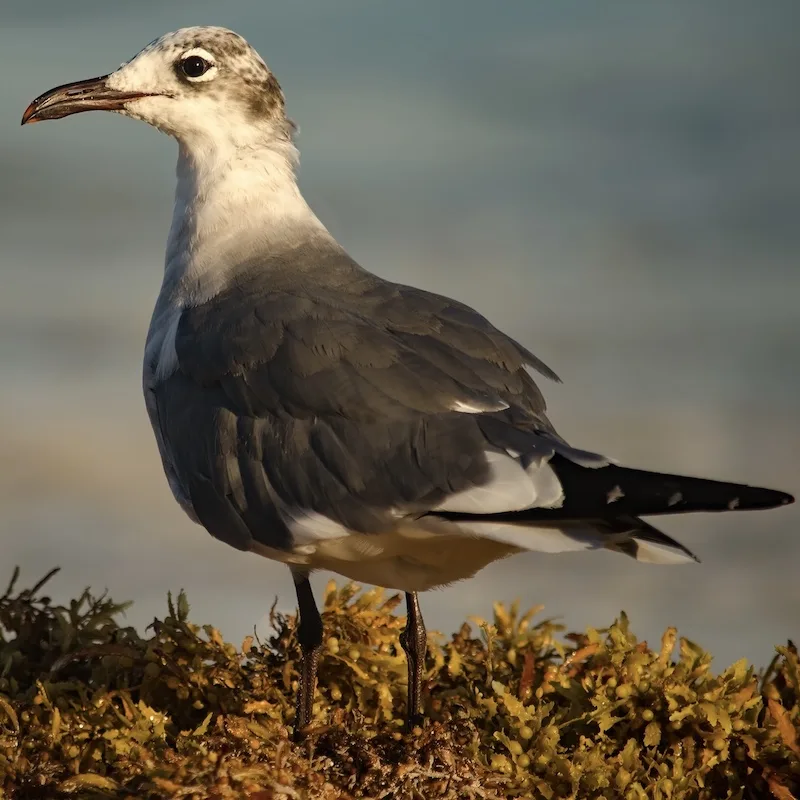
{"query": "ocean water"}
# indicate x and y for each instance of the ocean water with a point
(618, 186)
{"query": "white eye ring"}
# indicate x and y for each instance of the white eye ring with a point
(198, 54)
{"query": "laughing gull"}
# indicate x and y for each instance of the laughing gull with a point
(311, 412)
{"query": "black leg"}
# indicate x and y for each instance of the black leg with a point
(414, 641)
(309, 633)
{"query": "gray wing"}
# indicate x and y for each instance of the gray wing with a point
(383, 351)
(362, 403)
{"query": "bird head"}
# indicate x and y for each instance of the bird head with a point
(199, 84)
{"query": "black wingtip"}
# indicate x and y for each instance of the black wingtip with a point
(757, 498)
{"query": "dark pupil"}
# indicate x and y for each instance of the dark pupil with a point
(194, 66)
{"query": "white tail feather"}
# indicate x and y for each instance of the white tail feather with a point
(509, 488)
(573, 537)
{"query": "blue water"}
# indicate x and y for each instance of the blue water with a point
(616, 185)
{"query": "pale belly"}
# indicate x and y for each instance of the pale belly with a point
(411, 560)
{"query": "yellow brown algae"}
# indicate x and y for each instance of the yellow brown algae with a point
(92, 709)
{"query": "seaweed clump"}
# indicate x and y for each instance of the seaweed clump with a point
(92, 709)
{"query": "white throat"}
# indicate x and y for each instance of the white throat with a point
(232, 203)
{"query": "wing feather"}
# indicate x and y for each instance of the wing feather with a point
(350, 399)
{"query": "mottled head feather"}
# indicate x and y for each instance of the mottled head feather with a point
(240, 87)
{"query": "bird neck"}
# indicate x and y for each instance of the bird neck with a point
(233, 203)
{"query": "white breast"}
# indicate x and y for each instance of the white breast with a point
(160, 355)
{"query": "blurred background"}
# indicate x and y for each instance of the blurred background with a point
(617, 185)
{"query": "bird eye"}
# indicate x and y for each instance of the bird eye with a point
(194, 66)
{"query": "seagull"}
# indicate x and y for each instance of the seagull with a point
(311, 412)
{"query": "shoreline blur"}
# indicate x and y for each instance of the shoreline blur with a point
(619, 190)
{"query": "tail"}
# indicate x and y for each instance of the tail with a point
(612, 491)
(601, 509)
